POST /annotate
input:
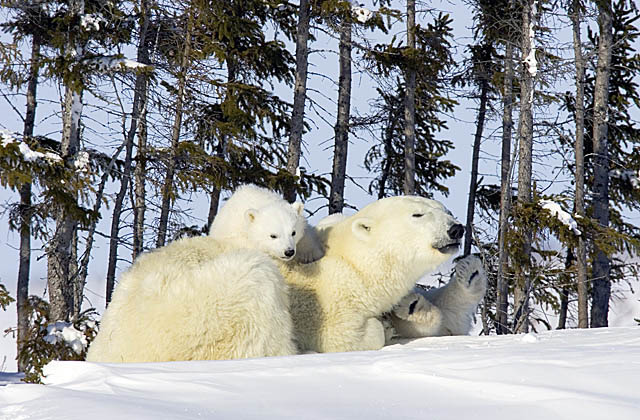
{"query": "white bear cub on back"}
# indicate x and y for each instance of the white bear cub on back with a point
(258, 218)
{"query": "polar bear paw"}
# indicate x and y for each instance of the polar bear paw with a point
(415, 308)
(309, 248)
(470, 274)
(415, 316)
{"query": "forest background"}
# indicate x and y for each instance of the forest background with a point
(149, 112)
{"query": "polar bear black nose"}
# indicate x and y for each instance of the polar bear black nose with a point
(289, 253)
(456, 231)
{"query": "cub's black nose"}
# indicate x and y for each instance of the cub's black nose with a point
(289, 253)
(456, 231)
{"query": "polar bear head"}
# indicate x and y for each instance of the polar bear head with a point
(407, 230)
(276, 228)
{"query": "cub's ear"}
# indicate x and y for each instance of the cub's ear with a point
(361, 228)
(250, 215)
(298, 207)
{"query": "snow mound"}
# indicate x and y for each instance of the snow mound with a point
(569, 374)
(60, 332)
(564, 217)
(362, 14)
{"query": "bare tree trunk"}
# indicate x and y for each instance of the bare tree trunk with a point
(502, 286)
(601, 265)
(299, 95)
(581, 253)
(167, 190)
(336, 197)
(59, 279)
(410, 106)
(388, 150)
(471, 204)
(221, 150)
(525, 136)
(140, 204)
(24, 266)
(77, 283)
(139, 104)
(564, 292)
(22, 293)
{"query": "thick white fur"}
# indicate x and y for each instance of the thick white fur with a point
(254, 215)
(447, 310)
(196, 299)
(373, 258)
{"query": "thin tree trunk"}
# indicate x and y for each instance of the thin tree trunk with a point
(139, 200)
(581, 253)
(336, 197)
(59, 281)
(140, 205)
(601, 265)
(77, 284)
(299, 95)
(410, 105)
(167, 190)
(525, 138)
(388, 149)
(139, 104)
(502, 285)
(564, 292)
(471, 204)
(221, 150)
(22, 295)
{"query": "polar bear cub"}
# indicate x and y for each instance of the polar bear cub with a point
(258, 218)
(447, 310)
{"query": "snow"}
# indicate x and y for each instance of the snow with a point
(66, 332)
(7, 138)
(628, 175)
(92, 22)
(564, 217)
(81, 163)
(362, 14)
(111, 63)
(530, 60)
(28, 155)
(568, 374)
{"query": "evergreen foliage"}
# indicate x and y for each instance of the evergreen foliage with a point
(5, 298)
(44, 345)
(433, 60)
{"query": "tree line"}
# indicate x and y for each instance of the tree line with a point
(195, 97)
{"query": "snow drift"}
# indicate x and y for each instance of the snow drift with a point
(571, 374)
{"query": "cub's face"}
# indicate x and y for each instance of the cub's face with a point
(276, 229)
(415, 229)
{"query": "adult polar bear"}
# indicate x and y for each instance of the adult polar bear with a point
(445, 310)
(372, 260)
(198, 299)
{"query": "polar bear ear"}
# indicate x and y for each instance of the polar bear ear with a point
(298, 207)
(361, 228)
(250, 215)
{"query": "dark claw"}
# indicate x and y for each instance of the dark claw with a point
(412, 307)
(475, 273)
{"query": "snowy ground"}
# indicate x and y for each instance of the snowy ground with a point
(571, 374)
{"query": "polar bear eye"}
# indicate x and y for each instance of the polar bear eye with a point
(274, 236)
(417, 214)
(293, 233)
